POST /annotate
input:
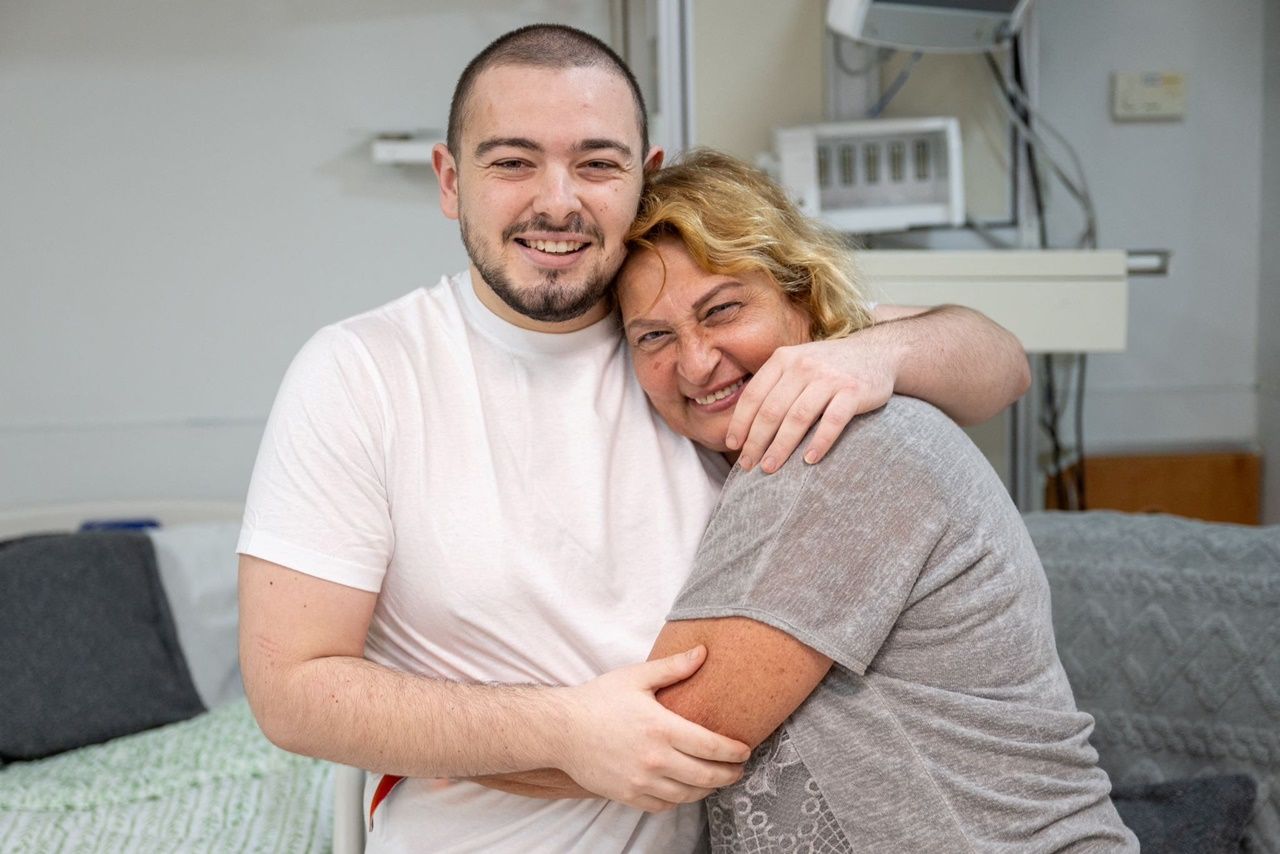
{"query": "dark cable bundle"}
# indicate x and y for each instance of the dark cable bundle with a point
(1053, 406)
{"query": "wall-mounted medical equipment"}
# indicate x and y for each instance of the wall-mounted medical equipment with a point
(928, 25)
(875, 175)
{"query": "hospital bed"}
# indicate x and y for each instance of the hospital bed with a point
(1166, 628)
(205, 779)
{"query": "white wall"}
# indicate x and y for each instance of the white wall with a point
(187, 196)
(1189, 376)
(1269, 296)
(762, 71)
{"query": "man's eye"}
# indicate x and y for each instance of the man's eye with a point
(509, 164)
(602, 165)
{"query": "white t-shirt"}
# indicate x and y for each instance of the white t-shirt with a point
(522, 513)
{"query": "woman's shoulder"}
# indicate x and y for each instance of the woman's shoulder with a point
(903, 422)
(911, 443)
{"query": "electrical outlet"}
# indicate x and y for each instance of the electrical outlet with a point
(1148, 95)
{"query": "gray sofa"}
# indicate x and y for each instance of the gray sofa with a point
(1169, 630)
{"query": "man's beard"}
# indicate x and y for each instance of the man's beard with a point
(549, 301)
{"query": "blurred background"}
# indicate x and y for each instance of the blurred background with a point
(189, 190)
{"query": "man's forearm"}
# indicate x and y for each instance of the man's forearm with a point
(544, 783)
(355, 712)
(301, 640)
(959, 360)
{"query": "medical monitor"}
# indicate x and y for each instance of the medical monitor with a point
(929, 25)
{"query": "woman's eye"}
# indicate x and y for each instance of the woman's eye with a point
(724, 309)
(649, 338)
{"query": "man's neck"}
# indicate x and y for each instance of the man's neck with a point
(495, 304)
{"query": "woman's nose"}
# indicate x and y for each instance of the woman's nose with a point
(698, 359)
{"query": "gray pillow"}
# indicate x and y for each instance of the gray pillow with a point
(1204, 815)
(88, 650)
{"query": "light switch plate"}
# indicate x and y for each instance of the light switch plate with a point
(1148, 96)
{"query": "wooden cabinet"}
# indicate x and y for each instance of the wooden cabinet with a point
(1217, 487)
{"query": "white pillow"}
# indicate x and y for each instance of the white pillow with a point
(197, 564)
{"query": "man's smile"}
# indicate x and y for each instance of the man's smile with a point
(553, 247)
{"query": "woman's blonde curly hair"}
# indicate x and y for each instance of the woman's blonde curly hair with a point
(734, 219)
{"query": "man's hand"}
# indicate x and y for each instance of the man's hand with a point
(828, 382)
(955, 358)
(624, 746)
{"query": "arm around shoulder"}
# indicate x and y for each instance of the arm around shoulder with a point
(956, 358)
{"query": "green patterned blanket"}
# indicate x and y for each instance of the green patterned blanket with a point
(212, 783)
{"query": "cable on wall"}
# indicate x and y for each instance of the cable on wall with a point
(1056, 391)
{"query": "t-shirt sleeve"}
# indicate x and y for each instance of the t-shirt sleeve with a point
(318, 501)
(827, 553)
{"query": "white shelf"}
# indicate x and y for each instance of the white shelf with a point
(1055, 301)
(401, 151)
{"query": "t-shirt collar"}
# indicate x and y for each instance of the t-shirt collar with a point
(607, 329)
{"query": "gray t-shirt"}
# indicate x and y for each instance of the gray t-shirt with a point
(947, 723)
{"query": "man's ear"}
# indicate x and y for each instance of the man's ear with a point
(447, 173)
(653, 162)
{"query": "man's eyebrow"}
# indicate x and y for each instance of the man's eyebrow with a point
(587, 145)
(507, 142)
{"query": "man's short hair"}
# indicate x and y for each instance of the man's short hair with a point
(543, 46)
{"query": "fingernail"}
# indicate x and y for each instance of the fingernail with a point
(769, 465)
(732, 441)
(745, 462)
(811, 457)
(693, 653)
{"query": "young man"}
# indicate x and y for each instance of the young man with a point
(463, 504)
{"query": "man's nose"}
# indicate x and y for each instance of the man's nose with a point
(557, 197)
(698, 359)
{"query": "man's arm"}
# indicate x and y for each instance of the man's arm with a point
(301, 647)
(953, 357)
(754, 677)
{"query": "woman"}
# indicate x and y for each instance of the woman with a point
(887, 604)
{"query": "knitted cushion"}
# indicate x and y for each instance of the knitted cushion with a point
(1169, 630)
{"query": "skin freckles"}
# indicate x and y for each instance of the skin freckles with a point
(697, 337)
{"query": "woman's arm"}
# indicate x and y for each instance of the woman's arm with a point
(754, 677)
